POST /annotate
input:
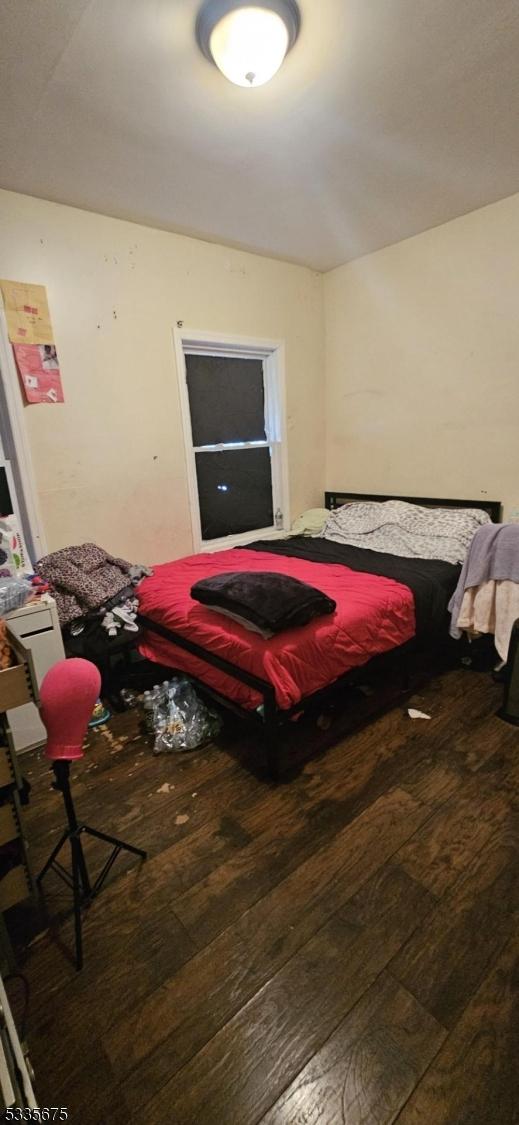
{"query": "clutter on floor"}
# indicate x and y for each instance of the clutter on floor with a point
(100, 714)
(173, 718)
(177, 718)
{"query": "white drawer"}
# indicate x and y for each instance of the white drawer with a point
(36, 626)
(29, 624)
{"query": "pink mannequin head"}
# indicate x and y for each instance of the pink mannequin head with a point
(68, 693)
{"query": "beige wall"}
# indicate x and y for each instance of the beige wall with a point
(422, 363)
(420, 349)
(109, 463)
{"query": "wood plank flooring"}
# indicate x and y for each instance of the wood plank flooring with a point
(338, 949)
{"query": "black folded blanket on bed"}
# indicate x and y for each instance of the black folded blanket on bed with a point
(262, 600)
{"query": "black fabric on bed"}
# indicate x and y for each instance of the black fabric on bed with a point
(270, 601)
(431, 581)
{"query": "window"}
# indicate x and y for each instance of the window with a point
(232, 399)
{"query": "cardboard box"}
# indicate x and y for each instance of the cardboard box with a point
(8, 824)
(18, 683)
(7, 772)
(14, 887)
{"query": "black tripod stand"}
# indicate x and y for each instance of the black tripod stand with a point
(79, 880)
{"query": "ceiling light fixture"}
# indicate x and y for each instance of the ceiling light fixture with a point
(247, 39)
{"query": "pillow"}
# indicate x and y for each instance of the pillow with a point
(397, 527)
(268, 601)
(310, 522)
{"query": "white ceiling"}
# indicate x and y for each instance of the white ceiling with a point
(388, 117)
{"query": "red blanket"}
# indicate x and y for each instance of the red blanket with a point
(373, 615)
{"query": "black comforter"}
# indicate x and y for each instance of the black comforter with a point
(431, 581)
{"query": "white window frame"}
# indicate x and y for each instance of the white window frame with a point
(20, 453)
(272, 352)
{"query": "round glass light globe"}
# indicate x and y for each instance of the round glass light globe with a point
(249, 45)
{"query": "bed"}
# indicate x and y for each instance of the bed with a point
(384, 604)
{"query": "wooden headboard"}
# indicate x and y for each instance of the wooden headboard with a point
(492, 507)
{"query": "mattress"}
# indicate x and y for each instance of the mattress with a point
(374, 614)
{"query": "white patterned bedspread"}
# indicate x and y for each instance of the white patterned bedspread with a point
(397, 528)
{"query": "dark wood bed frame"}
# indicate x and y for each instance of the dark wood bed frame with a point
(268, 715)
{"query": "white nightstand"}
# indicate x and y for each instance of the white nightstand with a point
(37, 625)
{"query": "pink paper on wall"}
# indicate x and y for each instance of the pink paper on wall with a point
(39, 372)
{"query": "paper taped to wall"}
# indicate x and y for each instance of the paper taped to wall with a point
(27, 313)
(39, 372)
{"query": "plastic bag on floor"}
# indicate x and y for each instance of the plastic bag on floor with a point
(177, 718)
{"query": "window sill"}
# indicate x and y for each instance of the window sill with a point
(241, 540)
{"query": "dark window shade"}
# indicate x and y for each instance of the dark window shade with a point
(226, 399)
(234, 491)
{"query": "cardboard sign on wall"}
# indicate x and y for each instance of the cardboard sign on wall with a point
(27, 313)
(30, 332)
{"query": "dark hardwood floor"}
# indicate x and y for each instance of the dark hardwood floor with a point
(340, 948)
